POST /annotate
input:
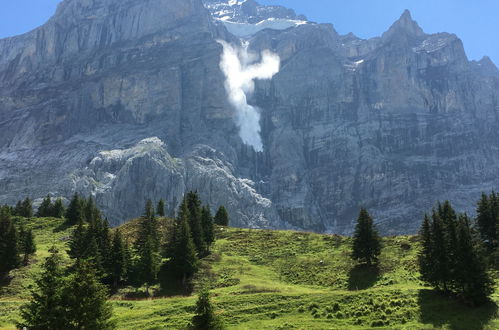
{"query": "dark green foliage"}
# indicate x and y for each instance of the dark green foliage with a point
(75, 211)
(9, 248)
(222, 217)
(18, 209)
(183, 262)
(487, 220)
(149, 210)
(58, 208)
(160, 209)
(119, 259)
(46, 310)
(77, 242)
(26, 209)
(366, 241)
(27, 244)
(205, 318)
(86, 299)
(449, 259)
(46, 208)
(194, 206)
(207, 223)
(90, 210)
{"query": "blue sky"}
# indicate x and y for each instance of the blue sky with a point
(475, 22)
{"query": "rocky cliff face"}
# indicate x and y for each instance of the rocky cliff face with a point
(126, 100)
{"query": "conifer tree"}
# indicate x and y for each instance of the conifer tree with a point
(75, 211)
(487, 219)
(58, 209)
(45, 208)
(205, 318)
(86, 299)
(366, 241)
(194, 205)
(18, 209)
(118, 258)
(425, 257)
(471, 278)
(222, 217)
(77, 242)
(91, 212)
(148, 264)
(149, 210)
(27, 208)
(207, 222)
(160, 210)
(439, 253)
(28, 246)
(46, 309)
(9, 244)
(184, 261)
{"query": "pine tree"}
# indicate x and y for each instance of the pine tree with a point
(184, 261)
(205, 318)
(487, 219)
(148, 228)
(118, 259)
(91, 212)
(439, 253)
(28, 245)
(148, 264)
(366, 241)
(194, 205)
(207, 222)
(425, 258)
(160, 210)
(58, 209)
(9, 244)
(86, 299)
(471, 279)
(45, 208)
(75, 212)
(77, 242)
(46, 309)
(18, 209)
(222, 217)
(149, 210)
(27, 208)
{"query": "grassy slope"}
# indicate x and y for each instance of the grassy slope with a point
(282, 280)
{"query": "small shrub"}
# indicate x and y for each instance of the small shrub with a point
(312, 306)
(301, 309)
(336, 307)
(340, 315)
(377, 323)
(329, 316)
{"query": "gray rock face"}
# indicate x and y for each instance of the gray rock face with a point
(125, 100)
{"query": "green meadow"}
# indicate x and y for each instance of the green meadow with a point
(264, 279)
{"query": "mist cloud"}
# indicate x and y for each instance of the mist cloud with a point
(241, 70)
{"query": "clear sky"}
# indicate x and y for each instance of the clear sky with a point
(476, 22)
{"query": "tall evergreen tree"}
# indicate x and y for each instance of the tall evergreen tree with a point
(425, 258)
(149, 210)
(487, 219)
(86, 300)
(160, 210)
(27, 208)
(18, 209)
(194, 205)
(148, 264)
(184, 261)
(45, 208)
(205, 318)
(222, 217)
(75, 211)
(9, 244)
(471, 279)
(207, 223)
(442, 271)
(28, 246)
(118, 257)
(78, 241)
(91, 212)
(366, 241)
(58, 209)
(46, 309)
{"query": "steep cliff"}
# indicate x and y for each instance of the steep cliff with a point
(126, 100)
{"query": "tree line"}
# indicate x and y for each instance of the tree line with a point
(17, 243)
(456, 251)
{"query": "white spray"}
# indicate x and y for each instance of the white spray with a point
(240, 70)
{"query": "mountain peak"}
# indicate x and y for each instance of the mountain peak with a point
(405, 24)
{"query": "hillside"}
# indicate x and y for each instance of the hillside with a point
(265, 279)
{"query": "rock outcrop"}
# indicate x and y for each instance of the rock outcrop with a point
(125, 100)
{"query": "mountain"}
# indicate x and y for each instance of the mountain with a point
(126, 100)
